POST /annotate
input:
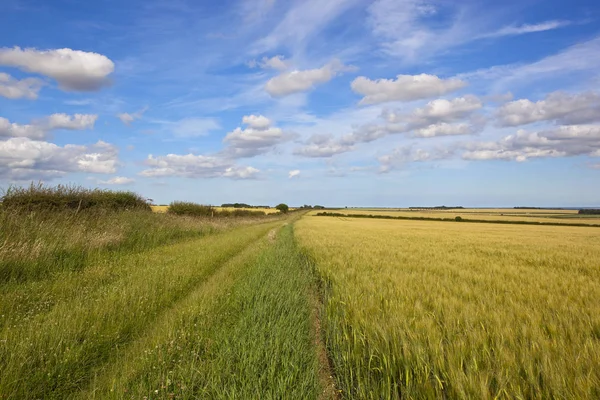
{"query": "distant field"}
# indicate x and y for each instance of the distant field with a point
(421, 309)
(533, 215)
(162, 209)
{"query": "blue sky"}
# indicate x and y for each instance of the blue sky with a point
(340, 102)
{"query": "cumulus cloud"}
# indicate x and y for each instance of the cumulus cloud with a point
(196, 166)
(40, 128)
(301, 81)
(444, 129)
(294, 173)
(277, 62)
(404, 88)
(71, 122)
(563, 141)
(118, 180)
(256, 121)
(25, 159)
(439, 110)
(74, 70)
(401, 156)
(12, 129)
(557, 106)
(323, 146)
(435, 117)
(258, 138)
(17, 89)
(128, 118)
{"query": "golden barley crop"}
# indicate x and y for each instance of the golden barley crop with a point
(421, 309)
(533, 215)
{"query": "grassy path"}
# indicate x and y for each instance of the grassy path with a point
(230, 315)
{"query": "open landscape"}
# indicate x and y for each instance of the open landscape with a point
(300, 199)
(101, 297)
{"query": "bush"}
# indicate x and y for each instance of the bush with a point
(282, 208)
(458, 219)
(189, 208)
(198, 210)
(38, 197)
(589, 211)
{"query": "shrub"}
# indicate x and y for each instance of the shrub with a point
(38, 197)
(458, 219)
(189, 208)
(282, 207)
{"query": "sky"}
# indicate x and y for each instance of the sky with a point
(382, 103)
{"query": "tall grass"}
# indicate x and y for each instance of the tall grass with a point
(451, 310)
(199, 210)
(245, 333)
(56, 333)
(38, 197)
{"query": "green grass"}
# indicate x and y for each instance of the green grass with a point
(245, 333)
(226, 315)
(38, 197)
(35, 245)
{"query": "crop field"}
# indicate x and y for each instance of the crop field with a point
(102, 298)
(528, 215)
(163, 209)
(425, 309)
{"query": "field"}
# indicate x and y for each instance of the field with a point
(449, 310)
(509, 214)
(163, 209)
(132, 304)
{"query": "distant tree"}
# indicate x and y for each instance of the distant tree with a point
(282, 207)
(317, 207)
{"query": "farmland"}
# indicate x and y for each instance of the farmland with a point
(101, 302)
(508, 214)
(163, 209)
(450, 310)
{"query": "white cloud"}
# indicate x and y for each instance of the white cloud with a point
(404, 88)
(260, 137)
(559, 106)
(563, 141)
(241, 172)
(294, 173)
(118, 180)
(301, 22)
(8, 129)
(323, 146)
(277, 62)
(582, 58)
(16, 89)
(301, 81)
(414, 30)
(434, 112)
(444, 129)
(71, 122)
(401, 156)
(256, 121)
(74, 70)
(40, 128)
(25, 159)
(527, 28)
(192, 127)
(128, 118)
(196, 166)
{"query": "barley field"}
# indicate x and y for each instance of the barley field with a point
(420, 309)
(100, 298)
(163, 209)
(513, 215)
